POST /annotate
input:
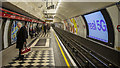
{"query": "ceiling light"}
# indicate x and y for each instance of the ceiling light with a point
(58, 6)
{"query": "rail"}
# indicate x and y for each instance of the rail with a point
(83, 56)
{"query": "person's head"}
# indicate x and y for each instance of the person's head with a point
(19, 25)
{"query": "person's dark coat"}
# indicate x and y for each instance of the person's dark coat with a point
(26, 33)
(37, 29)
(21, 37)
(44, 27)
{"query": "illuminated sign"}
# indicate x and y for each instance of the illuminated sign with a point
(97, 26)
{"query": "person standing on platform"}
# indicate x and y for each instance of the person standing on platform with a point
(44, 28)
(21, 39)
(31, 31)
(25, 27)
(47, 27)
(37, 30)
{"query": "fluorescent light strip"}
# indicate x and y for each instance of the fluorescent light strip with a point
(58, 6)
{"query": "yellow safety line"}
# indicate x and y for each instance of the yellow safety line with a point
(62, 52)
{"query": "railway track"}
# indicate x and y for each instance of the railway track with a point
(84, 57)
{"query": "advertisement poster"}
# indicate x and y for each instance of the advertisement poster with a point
(77, 19)
(71, 25)
(97, 26)
(14, 30)
(75, 25)
(66, 25)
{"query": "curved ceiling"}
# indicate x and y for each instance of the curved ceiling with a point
(16, 9)
(32, 8)
(65, 10)
(70, 9)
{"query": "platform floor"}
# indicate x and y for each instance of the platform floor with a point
(46, 51)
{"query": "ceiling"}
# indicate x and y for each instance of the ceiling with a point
(65, 10)
(35, 9)
(70, 9)
(16, 9)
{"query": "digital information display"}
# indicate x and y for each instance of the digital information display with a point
(97, 26)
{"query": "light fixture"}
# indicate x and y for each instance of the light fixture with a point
(58, 6)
